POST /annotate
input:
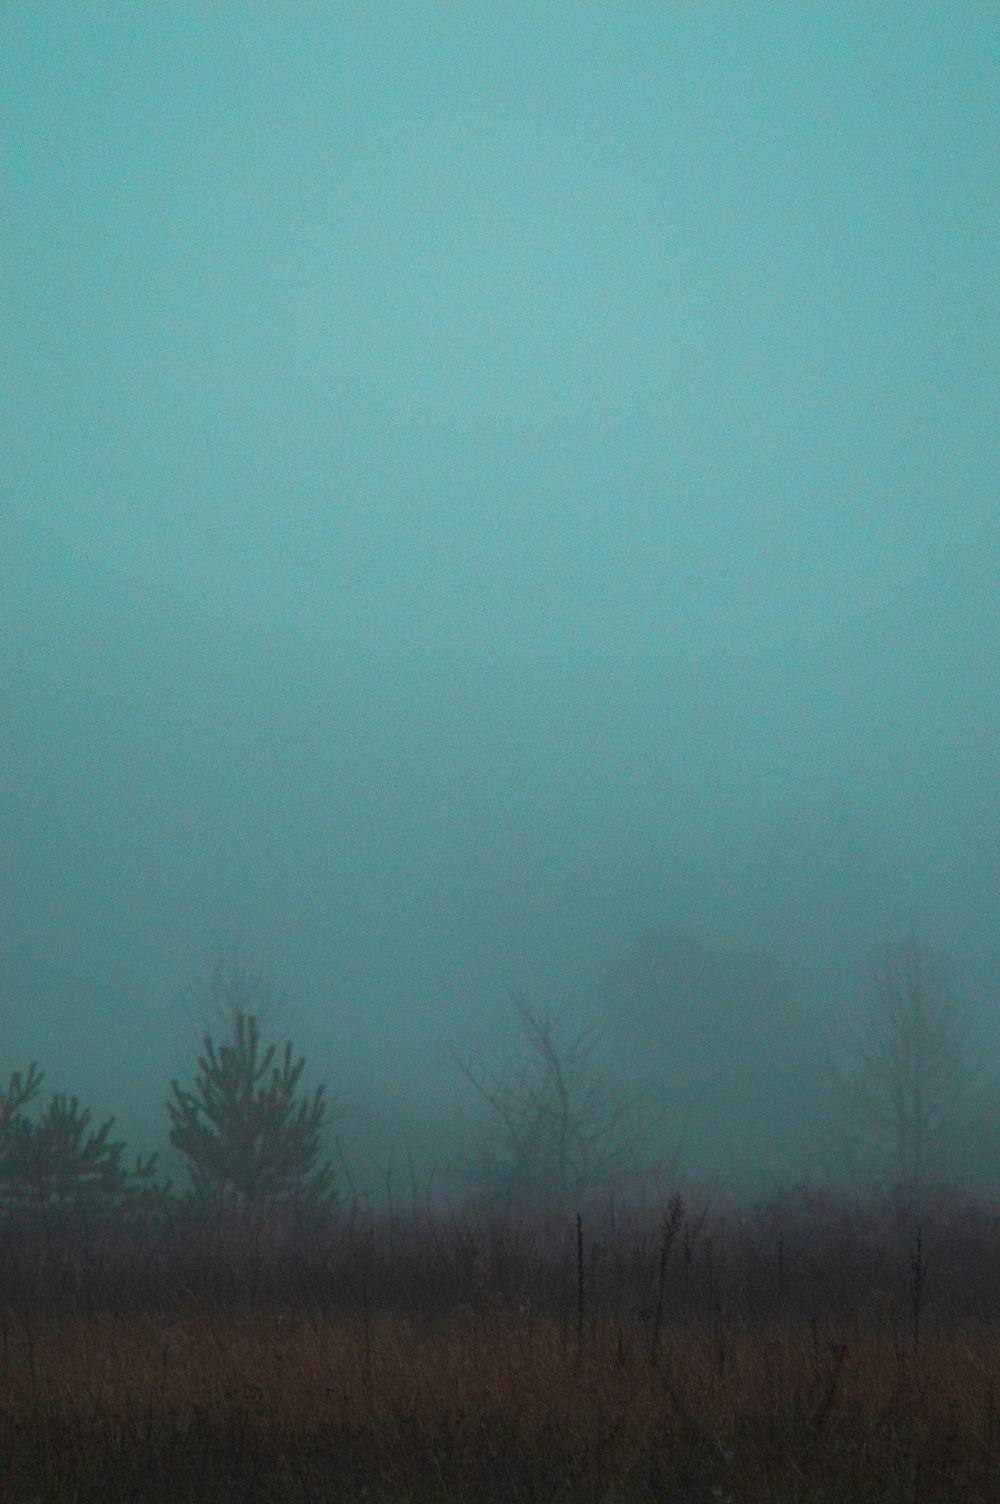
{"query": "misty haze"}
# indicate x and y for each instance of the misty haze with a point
(498, 577)
(477, 488)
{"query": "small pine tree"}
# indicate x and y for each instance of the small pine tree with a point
(59, 1169)
(250, 1144)
(18, 1094)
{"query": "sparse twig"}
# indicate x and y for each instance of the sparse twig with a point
(672, 1219)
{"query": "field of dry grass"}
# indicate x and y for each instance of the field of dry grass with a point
(806, 1354)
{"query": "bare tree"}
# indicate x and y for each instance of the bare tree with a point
(557, 1125)
(909, 1065)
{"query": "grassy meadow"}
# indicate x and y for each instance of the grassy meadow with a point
(805, 1352)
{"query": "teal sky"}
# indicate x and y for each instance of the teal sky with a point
(476, 479)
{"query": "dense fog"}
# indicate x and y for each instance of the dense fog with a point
(498, 502)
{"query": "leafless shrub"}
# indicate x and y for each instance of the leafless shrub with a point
(906, 1078)
(558, 1127)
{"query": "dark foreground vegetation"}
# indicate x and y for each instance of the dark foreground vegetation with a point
(809, 1350)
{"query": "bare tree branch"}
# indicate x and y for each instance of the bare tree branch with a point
(909, 1068)
(558, 1126)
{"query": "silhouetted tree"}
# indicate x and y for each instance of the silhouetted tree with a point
(557, 1125)
(251, 1143)
(726, 1034)
(908, 1070)
(59, 1169)
(17, 1095)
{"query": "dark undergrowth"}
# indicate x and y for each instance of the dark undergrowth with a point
(811, 1352)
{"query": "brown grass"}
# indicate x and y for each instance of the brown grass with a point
(726, 1387)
